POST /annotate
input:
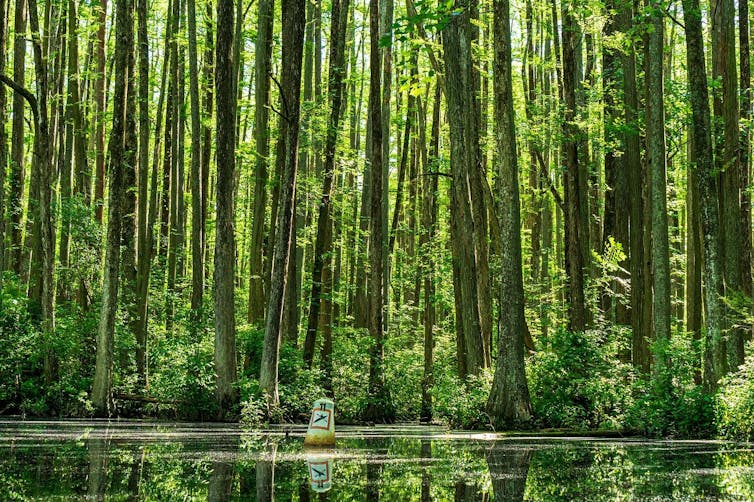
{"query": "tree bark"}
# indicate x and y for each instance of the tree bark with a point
(659, 211)
(573, 194)
(15, 199)
(463, 150)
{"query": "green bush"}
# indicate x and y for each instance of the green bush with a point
(461, 405)
(578, 383)
(734, 411)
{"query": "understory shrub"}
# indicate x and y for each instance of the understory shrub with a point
(460, 404)
(578, 383)
(734, 410)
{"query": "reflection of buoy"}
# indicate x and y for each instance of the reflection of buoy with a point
(321, 431)
(320, 473)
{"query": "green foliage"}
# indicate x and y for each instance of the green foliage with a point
(184, 375)
(684, 409)
(462, 404)
(734, 410)
(577, 383)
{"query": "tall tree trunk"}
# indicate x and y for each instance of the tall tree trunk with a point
(573, 194)
(225, 244)
(174, 193)
(508, 404)
(461, 117)
(294, 20)
(745, 151)
(616, 219)
(379, 404)
(323, 246)
(262, 60)
(429, 224)
(704, 174)
(659, 210)
(99, 110)
(726, 111)
(3, 136)
(17, 176)
(145, 223)
(103, 378)
(693, 292)
(197, 239)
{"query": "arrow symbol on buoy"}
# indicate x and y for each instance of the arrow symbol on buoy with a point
(320, 418)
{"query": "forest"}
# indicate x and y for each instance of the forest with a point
(515, 215)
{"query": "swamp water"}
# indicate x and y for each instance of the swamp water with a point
(76, 460)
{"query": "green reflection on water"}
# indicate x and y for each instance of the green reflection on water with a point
(147, 461)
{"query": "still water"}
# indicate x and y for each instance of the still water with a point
(76, 460)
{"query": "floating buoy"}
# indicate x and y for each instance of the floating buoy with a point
(321, 431)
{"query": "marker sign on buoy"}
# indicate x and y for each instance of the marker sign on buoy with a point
(320, 474)
(321, 431)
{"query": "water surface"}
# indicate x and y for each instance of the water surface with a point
(133, 460)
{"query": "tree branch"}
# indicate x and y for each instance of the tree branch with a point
(23, 91)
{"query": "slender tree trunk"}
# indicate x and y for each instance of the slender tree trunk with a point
(197, 239)
(693, 293)
(225, 245)
(103, 378)
(17, 176)
(573, 194)
(294, 20)
(323, 246)
(145, 223)
(3, 136)
(262, 60)
(429, 224)
(745, 151)
(99, 110)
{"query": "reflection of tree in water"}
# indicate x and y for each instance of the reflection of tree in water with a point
(221, 481)
(509, 467)
(266, 473)
(426, 476)
(223, 475)
(374, 473)
(98, 448)
(134, 477)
